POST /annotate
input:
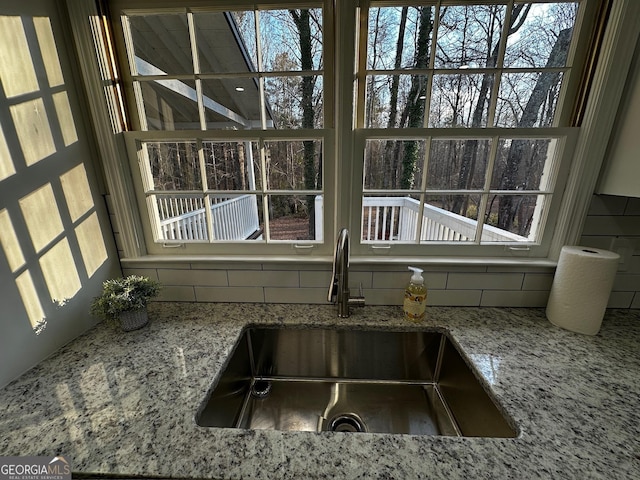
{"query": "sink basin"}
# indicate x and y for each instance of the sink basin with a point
(351, 381)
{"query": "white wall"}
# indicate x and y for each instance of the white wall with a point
(56, 242)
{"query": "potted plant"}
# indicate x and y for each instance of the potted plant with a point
(125, 300)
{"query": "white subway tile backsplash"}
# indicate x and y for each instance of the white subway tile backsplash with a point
(486, 281)
(274, 278)
(595, 241)
(625, 282)
(152, 273)
(620, 299)
(633, 207)
(315, 279)
(628, 225)
(537, 281)
(381, 280)
(384, 296)
(295, 295)
(401, 279)
(607, 205)
(520, 298)
(230, 294)
(215, 278)
(177, 294)
(473, 284)
(357, 279)
(461, 298)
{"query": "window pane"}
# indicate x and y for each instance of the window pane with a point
(226, 42)
(236, 217)
(182, 217)
(460, 100)
(390, 99)
(524, 164)
(512, 218)
(543, 36)
(170, 104)
(161, 44)
(282, 34)
(458, 165)
(231, 165)
(394, 164)
(294, 165)
(468, 36)
(528, 99)
(389, 218)
(293, 217)
(174, 165)
(399, 37)
(440, 223)
(231, 103)
(294, 102)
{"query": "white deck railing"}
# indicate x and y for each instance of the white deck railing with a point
(184, 217)
(396, 218)
(385, 219)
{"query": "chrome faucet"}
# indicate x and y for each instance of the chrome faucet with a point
(339, 292)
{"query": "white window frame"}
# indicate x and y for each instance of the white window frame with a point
(622, 32)
(264, 246)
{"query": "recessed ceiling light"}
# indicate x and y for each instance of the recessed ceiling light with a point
(239, 89)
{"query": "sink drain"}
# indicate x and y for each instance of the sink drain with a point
(261, 388)
(347, 422)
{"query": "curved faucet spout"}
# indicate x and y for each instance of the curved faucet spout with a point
(339, 292)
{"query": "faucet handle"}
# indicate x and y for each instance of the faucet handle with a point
(359, 300)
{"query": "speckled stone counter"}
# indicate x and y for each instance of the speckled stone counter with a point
(123, 404)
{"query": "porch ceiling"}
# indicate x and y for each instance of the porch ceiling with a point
(162, 46)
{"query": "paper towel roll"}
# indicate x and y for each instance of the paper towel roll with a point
(581, 288)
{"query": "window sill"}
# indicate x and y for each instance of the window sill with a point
(440, 261)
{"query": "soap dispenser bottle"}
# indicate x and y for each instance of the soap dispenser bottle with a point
(415, 297)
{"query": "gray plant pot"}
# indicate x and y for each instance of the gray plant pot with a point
(133, 319)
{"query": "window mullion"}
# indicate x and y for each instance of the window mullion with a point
(423, 188)
(484, 198)
(493, 99)
(263, 105)
(361, 66)
(265, 204)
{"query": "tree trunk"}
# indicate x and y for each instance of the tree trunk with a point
(390, 154)
(508, 204)
(302, 21)
(470, 150)
(417, 93)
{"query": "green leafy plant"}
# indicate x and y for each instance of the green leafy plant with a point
(122, 294)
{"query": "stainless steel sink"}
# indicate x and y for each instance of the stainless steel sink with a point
(352, 381)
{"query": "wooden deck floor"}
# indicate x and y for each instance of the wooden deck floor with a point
(290, 228)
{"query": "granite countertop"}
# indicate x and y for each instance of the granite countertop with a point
(116, 403)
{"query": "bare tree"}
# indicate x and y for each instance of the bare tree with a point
(302, 21)
(414, 109)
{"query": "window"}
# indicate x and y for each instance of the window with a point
(458, 141)
(230, 125)
(462, 121)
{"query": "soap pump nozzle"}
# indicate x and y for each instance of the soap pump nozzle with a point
(417, 275)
